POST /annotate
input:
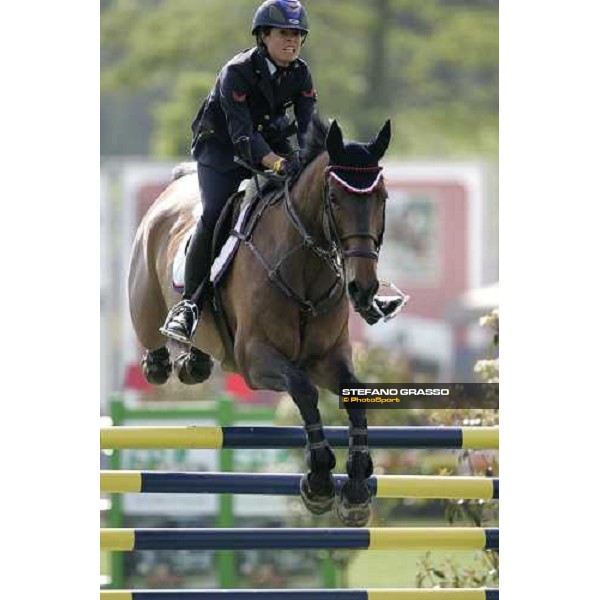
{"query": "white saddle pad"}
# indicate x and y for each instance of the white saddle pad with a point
(225, 256)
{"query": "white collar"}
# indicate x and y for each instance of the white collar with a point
(272, 67)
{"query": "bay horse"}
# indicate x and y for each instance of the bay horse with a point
(286, 298)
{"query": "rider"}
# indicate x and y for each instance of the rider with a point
(245, 116)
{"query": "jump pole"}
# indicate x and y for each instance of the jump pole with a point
(374, 594)
(391, 538)
(272, 484)
(203, 437)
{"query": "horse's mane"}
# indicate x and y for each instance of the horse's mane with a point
(314, 142)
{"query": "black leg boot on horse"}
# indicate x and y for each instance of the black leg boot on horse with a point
(353, 506)
(317, 488)
(271, 370)
(194, 366)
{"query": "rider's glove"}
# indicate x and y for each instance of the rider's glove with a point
(290, 167)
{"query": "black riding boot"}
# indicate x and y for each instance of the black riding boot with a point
(183, 318)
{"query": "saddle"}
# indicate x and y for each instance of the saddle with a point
(237, 220)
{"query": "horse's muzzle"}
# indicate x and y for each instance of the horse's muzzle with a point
(361, 297)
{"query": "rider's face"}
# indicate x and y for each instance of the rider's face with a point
(283, 45)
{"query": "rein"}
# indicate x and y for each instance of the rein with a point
(333, 255)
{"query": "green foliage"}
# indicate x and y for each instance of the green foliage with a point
(485, 570)
(173, 115)
(448, 574)
(432, 66)
(489, 369)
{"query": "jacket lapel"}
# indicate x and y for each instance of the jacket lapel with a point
(264, 79)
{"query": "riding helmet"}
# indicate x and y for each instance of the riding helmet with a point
(284, 14)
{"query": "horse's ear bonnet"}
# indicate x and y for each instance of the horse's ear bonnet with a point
(335, 142)
(378, 146)
(353, 165)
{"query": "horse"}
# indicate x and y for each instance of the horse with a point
(286, 298)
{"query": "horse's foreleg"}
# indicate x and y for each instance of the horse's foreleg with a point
(317, 488)
(354, 503)
(270, 370)
(354, 506)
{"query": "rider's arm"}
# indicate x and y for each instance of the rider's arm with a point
(304, 105)
(234, 91)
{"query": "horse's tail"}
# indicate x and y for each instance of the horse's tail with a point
(183, 169)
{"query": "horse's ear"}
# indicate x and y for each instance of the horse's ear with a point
(335, 140)
(378, 147)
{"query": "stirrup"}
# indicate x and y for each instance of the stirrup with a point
(180, 307)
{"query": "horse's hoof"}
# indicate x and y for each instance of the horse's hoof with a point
(193, 367)
(156, 368)
(317, 503)
(353, 514)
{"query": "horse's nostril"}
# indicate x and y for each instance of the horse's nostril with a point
(360, 296)
(353, 288)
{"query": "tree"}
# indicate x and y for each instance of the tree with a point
(431, 66)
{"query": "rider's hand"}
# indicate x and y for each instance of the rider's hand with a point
(273, 161)
(291, 167)
(286, 167)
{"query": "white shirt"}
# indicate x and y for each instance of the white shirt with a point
(272, 67)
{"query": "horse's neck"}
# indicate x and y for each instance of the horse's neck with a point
(307, 199)
(308, 271)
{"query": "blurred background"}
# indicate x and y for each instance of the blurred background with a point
(432, 66)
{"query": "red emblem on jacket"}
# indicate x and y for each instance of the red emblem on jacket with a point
(239, 97)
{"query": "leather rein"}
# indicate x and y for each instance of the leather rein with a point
(333, 255)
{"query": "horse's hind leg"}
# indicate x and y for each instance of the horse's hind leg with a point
(193, 366)
(268, 369)
(148, 311)
(156, 365)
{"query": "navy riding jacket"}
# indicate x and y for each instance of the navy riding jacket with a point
(248, 102)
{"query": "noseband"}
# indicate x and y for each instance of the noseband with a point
(330, 227)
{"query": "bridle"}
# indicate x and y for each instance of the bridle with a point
(333, 255)
(330, 227)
